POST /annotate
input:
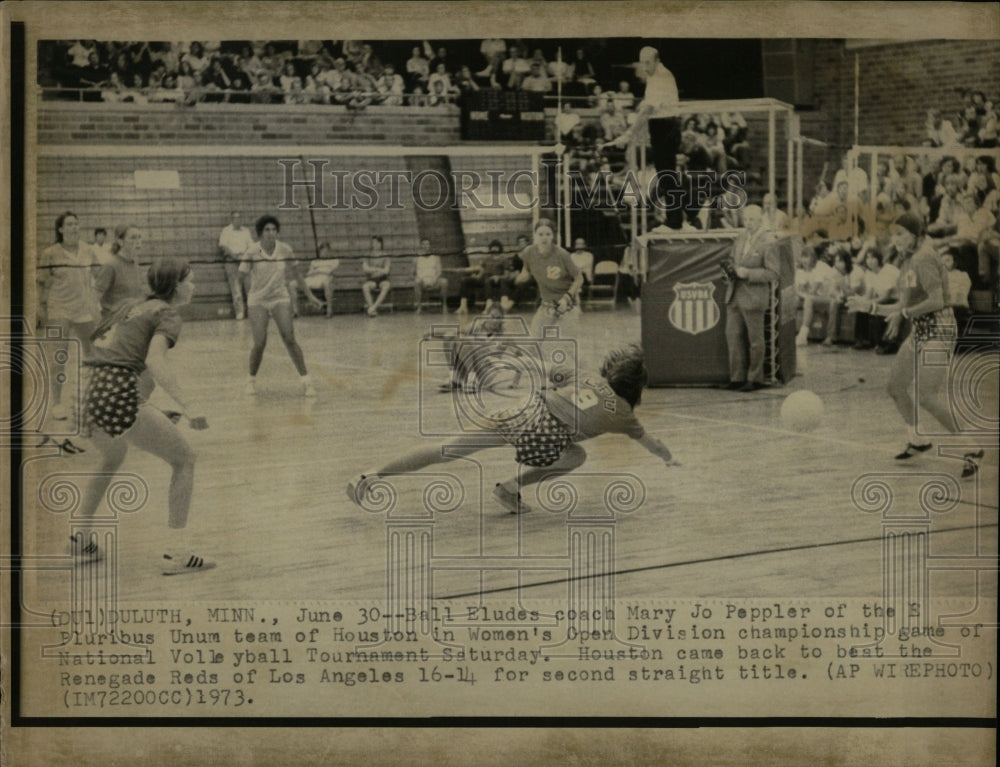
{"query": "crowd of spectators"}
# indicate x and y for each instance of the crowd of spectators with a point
(973, 124)
(849, 250)
(349, 72)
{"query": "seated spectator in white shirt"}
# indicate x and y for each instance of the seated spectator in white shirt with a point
(429, 277)
(417, 69)
(320, 276)
(391, 86)
(940, 132)
(515, 68)
(946, 222)
(441, 75)
(584, 261)
(623, 97)
(613, 122)
(536, 81)
(958, 288)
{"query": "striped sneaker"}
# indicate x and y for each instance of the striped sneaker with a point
(84, 553)
(185, 563)
(510, 501)
(971, 468)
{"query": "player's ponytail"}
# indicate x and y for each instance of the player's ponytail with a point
(164, 277)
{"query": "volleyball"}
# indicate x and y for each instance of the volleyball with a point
(801, 411)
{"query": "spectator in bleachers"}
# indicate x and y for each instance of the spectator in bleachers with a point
(984, 177)
(735, 130)
(79, 53)
(712, 141)
(101, 246)
(288, 79)
(774, 218)
(273, 61)
(439, 95)
(164, 53)
(249, 62)
(559, 71)
(465, 81)
(623, 98)
(186, 80)
(988, 131)
(168, 91)
(940, 132)
(828, 288)
(94, 75)
(320, 276)
(439, 74)
(440, 59)
(904, 180)
(584, 261)
(391, 86)
(597, 99)
(429, 276)
(812, 276)
(418, 70)
(583, 70)
(880, 287)
(196, 58)
(493, 50)
(515, 69)
(948, 207)
(536, 80)
(613, 122)
(139, 61)
(376, 267)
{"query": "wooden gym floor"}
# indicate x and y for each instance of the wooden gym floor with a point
(754, 510)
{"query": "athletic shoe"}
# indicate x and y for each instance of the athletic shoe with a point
(971, 468)
(358, 487)
(308, 390)
(372, 311)
(183, 564)
(912, 450)
(510, 501)
(250, 388)
(241, 315)
(84, 553)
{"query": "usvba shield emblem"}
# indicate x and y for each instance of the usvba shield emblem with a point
(694, 309)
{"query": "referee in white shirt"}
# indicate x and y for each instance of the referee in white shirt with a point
(659, 109)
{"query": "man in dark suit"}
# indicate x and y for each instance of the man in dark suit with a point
(754, 266)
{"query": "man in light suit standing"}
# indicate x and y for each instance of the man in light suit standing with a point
(754, 267)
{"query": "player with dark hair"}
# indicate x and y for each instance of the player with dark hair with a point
(918, 377)
(268, 263)
(135, 337)
(546, 433)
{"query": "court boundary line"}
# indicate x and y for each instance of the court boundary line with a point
(702, 561)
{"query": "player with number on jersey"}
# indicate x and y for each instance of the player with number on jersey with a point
(546, 432)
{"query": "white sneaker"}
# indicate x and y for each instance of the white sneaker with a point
(182, 564)
(372, 311)
(802, 339)
(510, 501)
(308, 390)
(250, 388)
(240, 314)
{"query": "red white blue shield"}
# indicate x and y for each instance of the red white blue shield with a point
(694, 309)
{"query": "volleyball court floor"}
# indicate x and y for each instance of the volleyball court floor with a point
(754, 510)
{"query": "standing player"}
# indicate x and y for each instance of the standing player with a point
(268, 263)
(134, 338)
(234, 241)
(121, 279)
(558, 278)
(917, 377)
(66, 298)
(546, 434)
